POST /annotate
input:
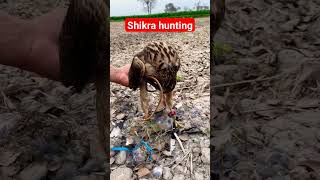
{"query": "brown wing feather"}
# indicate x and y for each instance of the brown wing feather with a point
(136, 73)
(161, 61)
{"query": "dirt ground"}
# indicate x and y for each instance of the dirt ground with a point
(48, 132)
(192, 99)
(263, 129)
(266, 122)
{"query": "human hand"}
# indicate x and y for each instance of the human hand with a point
(120, 75)
(39, 52)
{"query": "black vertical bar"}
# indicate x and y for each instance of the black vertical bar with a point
(108, 90)
(212, 27)
(107, 80)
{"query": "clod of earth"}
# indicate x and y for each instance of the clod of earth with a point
(266, 91)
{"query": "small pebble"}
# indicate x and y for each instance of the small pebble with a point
(196, 150)
(167, 173)
(35, 171)
(149, 166)
(179, 169)
(120, 116)
(167, 153)
(112, 153)
(122, 173)
(121, 157)
(157, 171)
(198, 176)
(115, 132)
(112, 160)
(299, 173)
(205, 157)
(178, 177)
(179, 105)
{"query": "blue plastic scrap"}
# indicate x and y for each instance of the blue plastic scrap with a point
(131, 150)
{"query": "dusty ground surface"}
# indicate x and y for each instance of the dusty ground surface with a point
(268, 129)
(47, 132)
(191, 100)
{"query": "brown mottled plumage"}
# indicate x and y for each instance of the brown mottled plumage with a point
(81, 41)
(83, 49)
(160, 61)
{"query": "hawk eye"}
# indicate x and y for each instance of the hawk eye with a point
(162, 66)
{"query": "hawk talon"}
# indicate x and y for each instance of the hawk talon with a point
(179, 124)
(146, 118)
(160, 110)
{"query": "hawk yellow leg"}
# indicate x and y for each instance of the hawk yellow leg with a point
(144, 100)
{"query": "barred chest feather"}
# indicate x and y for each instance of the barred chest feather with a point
(162, 62)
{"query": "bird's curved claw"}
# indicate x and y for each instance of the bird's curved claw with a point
(178, 124)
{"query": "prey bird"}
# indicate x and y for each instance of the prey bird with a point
(157, 64)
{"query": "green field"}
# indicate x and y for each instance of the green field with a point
(187, 14)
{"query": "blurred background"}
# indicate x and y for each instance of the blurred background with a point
(140, 7)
